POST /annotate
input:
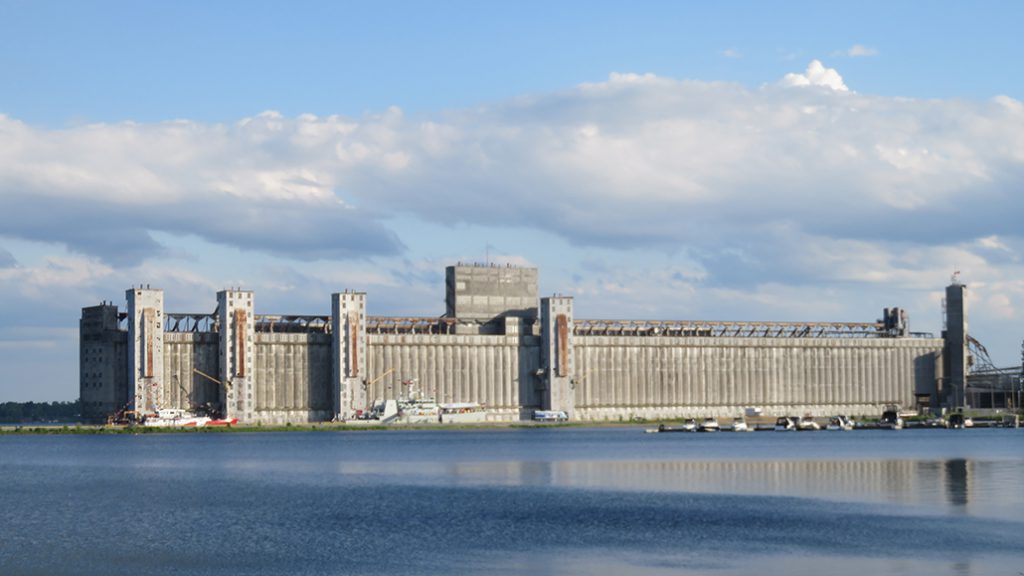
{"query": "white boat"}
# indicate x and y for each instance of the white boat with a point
(739, 425)
(839, 423)
(419, 411)
(785, 424)
(709, 425)
(550, 416)
(959, 421)
(891, 420)
(177, 417)
(807, 423)
(463, 412)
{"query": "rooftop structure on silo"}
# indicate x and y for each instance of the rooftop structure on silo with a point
(486, 292)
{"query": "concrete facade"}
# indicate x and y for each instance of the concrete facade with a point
(348, 345)
(145, 348)
(954, 387)
(477, 292)
(277, 369)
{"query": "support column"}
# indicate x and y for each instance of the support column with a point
(559, 380)
(348, 344)
(145, 349)
(237, 343)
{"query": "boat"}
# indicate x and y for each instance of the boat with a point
(419, 411)
(689, 425)
(175, 417)
(709, 425)
(958, 421)
(739, 425)
(807, 423)
(785, 424)
(463, 412)
(840, 422)
(891, 420)
(664, 428)
(550, 416)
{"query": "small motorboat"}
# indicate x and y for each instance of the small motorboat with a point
(839, 423)
(785, 424)
(709, 425)
(689, 425)
(891, 420)
(958, 421)
(663, 428)
(740, 425)
(807, 423)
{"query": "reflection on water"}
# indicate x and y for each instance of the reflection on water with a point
(983, 488)
(598, 501)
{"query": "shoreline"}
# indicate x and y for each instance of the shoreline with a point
(760, 424)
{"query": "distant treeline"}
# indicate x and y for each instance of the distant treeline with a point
(40, 411)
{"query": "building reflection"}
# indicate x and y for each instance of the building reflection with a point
(974, 487)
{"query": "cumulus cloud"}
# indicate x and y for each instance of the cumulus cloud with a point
(740, 179)
(263, 183)
(816, 75)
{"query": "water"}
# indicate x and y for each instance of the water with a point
(515, 501)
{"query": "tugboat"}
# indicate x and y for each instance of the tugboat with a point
(785, 424)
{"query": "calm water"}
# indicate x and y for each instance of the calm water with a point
(515, 501)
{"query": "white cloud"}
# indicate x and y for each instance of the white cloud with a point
(755, 189)
(732, 53)
(993, 243)
(816, 75)
(857, 51)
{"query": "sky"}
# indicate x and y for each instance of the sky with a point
(803, 161)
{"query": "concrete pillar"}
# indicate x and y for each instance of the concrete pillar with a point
(237, 362)
(956, 345)
(348, 343)
(145, 349)
(558, 383)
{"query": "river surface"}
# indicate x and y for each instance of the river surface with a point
(515, 501)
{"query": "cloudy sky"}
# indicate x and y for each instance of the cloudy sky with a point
(719, 161)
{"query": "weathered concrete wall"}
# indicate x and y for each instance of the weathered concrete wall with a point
(145, 348)
(650, 377)
(293, 378)
(185, 352)
(484, 292)
(103, 363)
(498, 371)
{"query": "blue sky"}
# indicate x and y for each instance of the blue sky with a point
(727, 160)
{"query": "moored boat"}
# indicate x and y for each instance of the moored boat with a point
(891, 420)
(784, 424)
(174, 417)
(463, 412)
(709, 425)
(739, 425)
(807, 423)
(840, 422)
